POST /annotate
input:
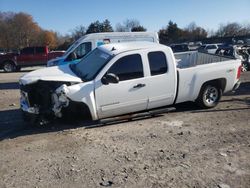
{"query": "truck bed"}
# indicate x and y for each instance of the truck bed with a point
(194, 58)
(195, 68)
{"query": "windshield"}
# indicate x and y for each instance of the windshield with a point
(71, 47)
(91, 64)
(74, 45)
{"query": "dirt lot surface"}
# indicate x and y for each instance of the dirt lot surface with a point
(187, 147)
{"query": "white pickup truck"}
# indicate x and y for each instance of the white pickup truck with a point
(124, 78)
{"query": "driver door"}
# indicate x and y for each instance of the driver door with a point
(126, 96)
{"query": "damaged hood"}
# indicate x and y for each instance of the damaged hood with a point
(56, 73)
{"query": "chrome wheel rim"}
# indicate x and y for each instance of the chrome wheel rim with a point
(8, 67)
(211, 95)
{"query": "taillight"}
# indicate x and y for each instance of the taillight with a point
(239, 71)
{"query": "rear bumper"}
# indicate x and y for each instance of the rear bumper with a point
(236, 86)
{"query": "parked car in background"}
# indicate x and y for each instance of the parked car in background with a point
(90, 41)
(238, 52)
(2, 52)
(179, 47)
(228, 51)
(244, 51)
(30, 56)
(194, 45)
(124, 78)
(209, 48)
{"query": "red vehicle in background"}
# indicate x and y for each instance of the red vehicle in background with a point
(30, 56)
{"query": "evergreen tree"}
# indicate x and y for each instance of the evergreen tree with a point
(138, 28)
(106, 26)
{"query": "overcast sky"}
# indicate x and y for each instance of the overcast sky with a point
(65, 15)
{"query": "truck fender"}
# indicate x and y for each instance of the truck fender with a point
(83, 93)
(220, 82)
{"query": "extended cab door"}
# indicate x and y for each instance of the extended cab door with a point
(26, 56)
(129, 95)
(162, 79)
(41, 56)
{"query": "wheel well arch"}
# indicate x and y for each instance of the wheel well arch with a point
(77, 111)
(219, 82)
(9, 60)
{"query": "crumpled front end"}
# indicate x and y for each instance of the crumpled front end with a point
(45, 99)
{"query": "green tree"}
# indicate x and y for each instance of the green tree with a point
(173, 31)
(106, 26)
(170, 34)
(97, 27)
(163, 36)
(94, 27)
(138, 28)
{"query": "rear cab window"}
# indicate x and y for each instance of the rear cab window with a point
(157, 63)
(40, 50)
(27, 51)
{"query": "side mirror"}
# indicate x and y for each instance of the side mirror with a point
(110, 78)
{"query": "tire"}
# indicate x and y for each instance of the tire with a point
(29, 119)
(209, 96)
(9, 66)
(18, 68)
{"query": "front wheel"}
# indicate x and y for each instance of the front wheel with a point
(9, 67)
(209, 96)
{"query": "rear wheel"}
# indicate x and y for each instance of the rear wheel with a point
(9, 67)
(209, 96)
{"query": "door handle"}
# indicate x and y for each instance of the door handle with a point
(139, 85)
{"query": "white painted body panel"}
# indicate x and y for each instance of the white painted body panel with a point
(57, 73)
(160, 90)
(97, 39)
(191, 79)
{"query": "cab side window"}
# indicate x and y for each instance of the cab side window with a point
(40, 50)
(83, 49)
(27, 51)
(157, 63)
(128, 67)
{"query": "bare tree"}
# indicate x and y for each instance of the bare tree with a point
(229, 30)
(78, 32)
(128, 25)
(24, 30)
(131, 23)
(194, 32)
(120, 28)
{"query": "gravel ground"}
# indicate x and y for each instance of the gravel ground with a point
(186, 147)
